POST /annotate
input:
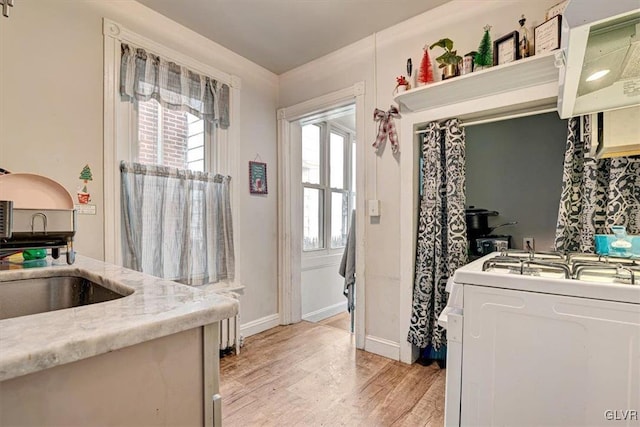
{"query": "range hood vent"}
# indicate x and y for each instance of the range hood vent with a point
(615, 133)
(601, 46)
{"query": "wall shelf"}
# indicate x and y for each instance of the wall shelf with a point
(529, 83)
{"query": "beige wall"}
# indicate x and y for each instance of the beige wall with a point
(377, 60)
(51, 117)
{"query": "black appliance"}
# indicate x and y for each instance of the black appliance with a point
(481, 241)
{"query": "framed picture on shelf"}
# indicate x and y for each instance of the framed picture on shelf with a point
(546, 36)
(258, 178)
(505, 49)
(557, 9)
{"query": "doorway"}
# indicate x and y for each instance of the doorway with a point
(328, 182)
(312, 246)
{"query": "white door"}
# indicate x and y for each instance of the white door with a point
(533, 359)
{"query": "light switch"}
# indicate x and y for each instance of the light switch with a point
(374, 207)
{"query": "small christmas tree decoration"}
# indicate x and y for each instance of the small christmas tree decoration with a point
(86, 176)
(425, 75)
(484, 57)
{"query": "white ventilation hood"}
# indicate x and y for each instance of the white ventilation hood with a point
(615, 133)
(599, 35)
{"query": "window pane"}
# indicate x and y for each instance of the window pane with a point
(196, 166)
(195, 154)
(196, 126)
(339, 220)
(312, 219)
(311, 154)
(336, 160)
(165, 137)
(196, 140)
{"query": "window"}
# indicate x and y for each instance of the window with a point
(328, 180)
(171, 137)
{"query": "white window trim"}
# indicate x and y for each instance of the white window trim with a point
(119, 131)
(290, 203)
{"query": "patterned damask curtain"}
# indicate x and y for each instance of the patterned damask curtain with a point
(144, 76)
(442, 239)
(596, 194)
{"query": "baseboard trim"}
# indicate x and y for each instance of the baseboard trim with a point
(382, 347)
(259, 325)
(323, 313)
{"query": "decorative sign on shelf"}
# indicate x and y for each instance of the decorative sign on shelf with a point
(505, 49)
(557, 9)
(258, 178)
(547, 35)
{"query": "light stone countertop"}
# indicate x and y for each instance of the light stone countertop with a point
(155, 309)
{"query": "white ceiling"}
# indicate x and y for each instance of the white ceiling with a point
(283, 34)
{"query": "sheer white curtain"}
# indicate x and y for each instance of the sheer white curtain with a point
(177, 223)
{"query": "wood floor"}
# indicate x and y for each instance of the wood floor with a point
(310, 374)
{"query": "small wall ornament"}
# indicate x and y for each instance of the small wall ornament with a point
(83, 207)
(84, 197)
(258, 178)
(386, 128)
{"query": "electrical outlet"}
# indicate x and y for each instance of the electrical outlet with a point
(528, 243)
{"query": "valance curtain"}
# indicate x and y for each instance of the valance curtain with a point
(596, 194)
(144, 76)
(177, 223)
(442, 240)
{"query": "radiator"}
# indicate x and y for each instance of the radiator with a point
(230, 330)
(230, 334)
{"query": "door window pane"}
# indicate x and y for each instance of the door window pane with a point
(336, 160)
(339, 220)
(311, 154)
(312, 221)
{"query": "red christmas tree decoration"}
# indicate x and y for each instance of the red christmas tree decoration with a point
(426, 70)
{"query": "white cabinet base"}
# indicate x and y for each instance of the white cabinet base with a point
(532, 359)
(158, 382)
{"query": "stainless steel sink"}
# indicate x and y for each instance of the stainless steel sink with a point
(39, 295)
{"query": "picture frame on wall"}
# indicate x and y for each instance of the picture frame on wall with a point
(505, 49)
(258, 178)
(546, 36)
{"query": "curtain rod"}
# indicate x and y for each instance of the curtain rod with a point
(500, 118)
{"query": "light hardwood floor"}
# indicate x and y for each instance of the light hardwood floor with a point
(310, 374)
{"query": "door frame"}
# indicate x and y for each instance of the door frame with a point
(290, 203)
